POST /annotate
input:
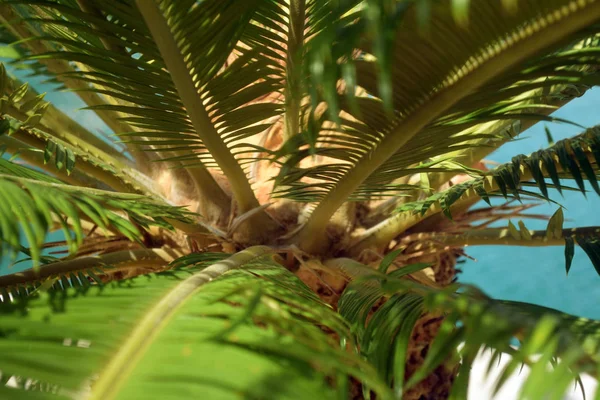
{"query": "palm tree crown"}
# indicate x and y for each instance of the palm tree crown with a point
(289, 186)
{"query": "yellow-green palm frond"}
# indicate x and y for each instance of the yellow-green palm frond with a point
(437, 78)
(34, 203)
(217, 315)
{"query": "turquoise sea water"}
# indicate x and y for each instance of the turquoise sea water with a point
(534, 275)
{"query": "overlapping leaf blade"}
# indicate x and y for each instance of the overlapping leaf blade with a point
(411, 71)
(259, 315)
(474, 319)
(32, 207)
(564, 160)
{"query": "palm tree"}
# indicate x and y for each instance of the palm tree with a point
(287, 194)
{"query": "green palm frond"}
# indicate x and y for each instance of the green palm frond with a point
(118, 62)
(244, 310)
(20, 120)
(366, 112)
(160, 107)
(476, 321)
(575, 158)
(93, 162)
(55, 122)
(435, 91)
(181, 39)
(554, 97)
(22, 32)
(32, 204)
(587, 237)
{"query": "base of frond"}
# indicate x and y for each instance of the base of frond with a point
(329, 286)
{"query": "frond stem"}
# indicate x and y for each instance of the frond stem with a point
(14, 146)
(200, 119)
(120, 259)
(293, 64)
(497, 236)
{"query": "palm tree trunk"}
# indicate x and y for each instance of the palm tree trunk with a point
(438, 384)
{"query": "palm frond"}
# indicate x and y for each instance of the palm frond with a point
(575, 158)
(183, 51)
(22, 32)
(503, 131)
(82, 272)
(134, 82)
(473, 319)
(396, 139)
(586, 237)
(33, 203)
(54, 120)
(244, 310)
(20, 120)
